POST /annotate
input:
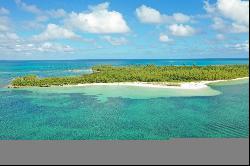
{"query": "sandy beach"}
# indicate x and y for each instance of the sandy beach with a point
(184, 85)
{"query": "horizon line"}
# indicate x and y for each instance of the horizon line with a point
(123, 59)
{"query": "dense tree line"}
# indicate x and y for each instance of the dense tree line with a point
(141, 73)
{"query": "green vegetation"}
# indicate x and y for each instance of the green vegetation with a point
(138, 73)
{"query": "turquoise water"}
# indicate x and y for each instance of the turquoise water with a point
(118, 113)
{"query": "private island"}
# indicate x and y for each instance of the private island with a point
(186, 77)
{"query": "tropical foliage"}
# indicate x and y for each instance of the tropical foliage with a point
(140, 73)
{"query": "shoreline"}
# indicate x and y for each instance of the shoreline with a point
(184, 85)
(169, 85)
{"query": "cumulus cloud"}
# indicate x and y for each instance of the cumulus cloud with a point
(150, 15)
(12, 44)
(4, 11)
(229, 15)
(164, 38)
(54, 32)
(236, 10)
(181, 30)
(115, 41)
(98, 20)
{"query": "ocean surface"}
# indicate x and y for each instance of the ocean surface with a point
(119, 113)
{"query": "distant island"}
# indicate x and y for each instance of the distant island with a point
(145, 74)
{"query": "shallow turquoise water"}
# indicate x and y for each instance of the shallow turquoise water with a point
(119, 113)
(44, 115)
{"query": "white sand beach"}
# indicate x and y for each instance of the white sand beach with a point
(184, 85)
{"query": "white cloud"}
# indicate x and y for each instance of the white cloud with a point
(224, 26)
(116, 41)
(7, 38)
(229, 15)
(98, 20)
(164, 38)
(33, 25)
(219, 24)
(181, 30)
(239, 47)
(210, 8)
(42, 15)
(54, 32)
(239, 28)
(242, 46)
(150, 15)
(4, 11)
(4, 24)
(29, 48)
(41, 18)
(181, 18)
(12, 44)
(236, 10)
(58, 13)
(29, 8)
(220, 37)
(11, 36)
(54, 47)
(101, 6)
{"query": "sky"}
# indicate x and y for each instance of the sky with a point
(118, 29)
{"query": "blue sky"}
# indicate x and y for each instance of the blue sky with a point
(117, 29)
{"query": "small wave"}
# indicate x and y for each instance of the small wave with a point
(3, 72)
(79, 70)
(11, 72)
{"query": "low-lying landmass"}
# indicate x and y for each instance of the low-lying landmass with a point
(187, 77)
